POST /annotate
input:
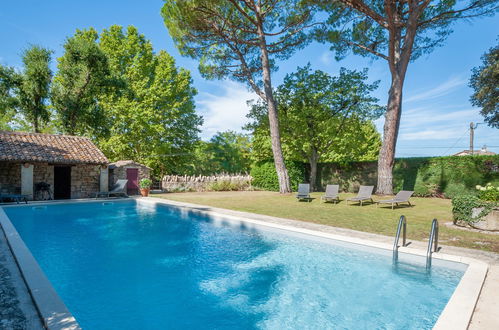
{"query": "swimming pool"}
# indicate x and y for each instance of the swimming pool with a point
(132, 265)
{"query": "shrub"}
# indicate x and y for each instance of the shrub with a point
(488, 193)
(265, 176)
(227, 185)
(463, 205)
(145, 183)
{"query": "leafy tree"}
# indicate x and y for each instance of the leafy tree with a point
(33, 86)
(230, 152)
(485, 82)
(225, 152)
(398, 32)
(323, 117)
(241, 40)
(152, 118)
(83, 74)
(8, 100)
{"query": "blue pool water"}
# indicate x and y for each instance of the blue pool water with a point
(132, 266)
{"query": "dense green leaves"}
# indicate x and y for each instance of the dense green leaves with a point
(223, 35)
(485, 82)
(8, 99)
(83, 75)
(33, 86)
(265, 176)
(152, 117)
(322, 118)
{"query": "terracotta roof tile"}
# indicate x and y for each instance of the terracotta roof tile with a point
(38, 147)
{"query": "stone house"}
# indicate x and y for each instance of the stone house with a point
(130, 170)
(73, 166)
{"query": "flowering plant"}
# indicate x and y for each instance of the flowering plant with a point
(488, 193)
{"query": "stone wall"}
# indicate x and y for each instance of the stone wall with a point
(119, 173)
(84, 181)
(10, 178)
(43, 172)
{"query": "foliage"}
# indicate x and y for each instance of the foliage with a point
(488, 193)
(321, 118)
(226, 152)
(145, 183)
(83, 75)
(152, 118)
(224, 37)
(265, 176)
(227, 185)
(398, 32)
(241, 40)
(8, 100)
(463, 205)
(426, 176)
(33, 86)
(484, 81)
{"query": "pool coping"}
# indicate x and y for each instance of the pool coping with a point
(55, 315)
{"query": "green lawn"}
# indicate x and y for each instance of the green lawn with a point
(367, 218)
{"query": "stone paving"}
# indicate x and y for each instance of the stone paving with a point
(16, 308)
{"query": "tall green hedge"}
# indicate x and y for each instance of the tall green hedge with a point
(265, 176)
(445, 176)
(430, 176)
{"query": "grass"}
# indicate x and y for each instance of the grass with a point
(368, 218)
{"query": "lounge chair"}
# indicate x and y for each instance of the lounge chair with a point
(401, 197)
(119, 189)
(303, 192)
(331, 194)
(14, 197)
(364, 194)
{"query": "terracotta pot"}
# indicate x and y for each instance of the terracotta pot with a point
(144, 191)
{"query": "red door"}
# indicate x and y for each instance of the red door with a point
(132, 175)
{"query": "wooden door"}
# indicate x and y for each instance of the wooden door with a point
(132, 175)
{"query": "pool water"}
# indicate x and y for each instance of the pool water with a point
(128, 265)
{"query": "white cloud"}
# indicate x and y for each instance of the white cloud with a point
(443, 89)
(226, 111)
(326, 58)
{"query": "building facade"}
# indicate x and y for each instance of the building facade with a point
(48, 166)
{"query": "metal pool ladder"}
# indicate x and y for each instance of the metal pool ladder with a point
(402, 227)
(432, 242)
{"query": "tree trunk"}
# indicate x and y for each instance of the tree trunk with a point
(398, 60)
(275, 136)
(313, 160)
(36, 127)
(390, 134)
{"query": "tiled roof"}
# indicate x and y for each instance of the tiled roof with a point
(50, 148)
(479, 152)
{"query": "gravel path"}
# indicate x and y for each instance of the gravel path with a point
(16, 308)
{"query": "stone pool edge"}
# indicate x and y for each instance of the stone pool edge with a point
(52, 311)
(457, 313)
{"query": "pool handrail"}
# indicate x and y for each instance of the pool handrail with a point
(402, 227)
(432, 242)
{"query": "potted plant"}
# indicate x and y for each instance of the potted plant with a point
(145, 187)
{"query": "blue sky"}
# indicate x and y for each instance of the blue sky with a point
(436, 110)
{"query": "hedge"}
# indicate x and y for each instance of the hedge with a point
(265, 176)
(430, 176)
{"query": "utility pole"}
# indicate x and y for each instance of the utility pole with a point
(472, 135)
